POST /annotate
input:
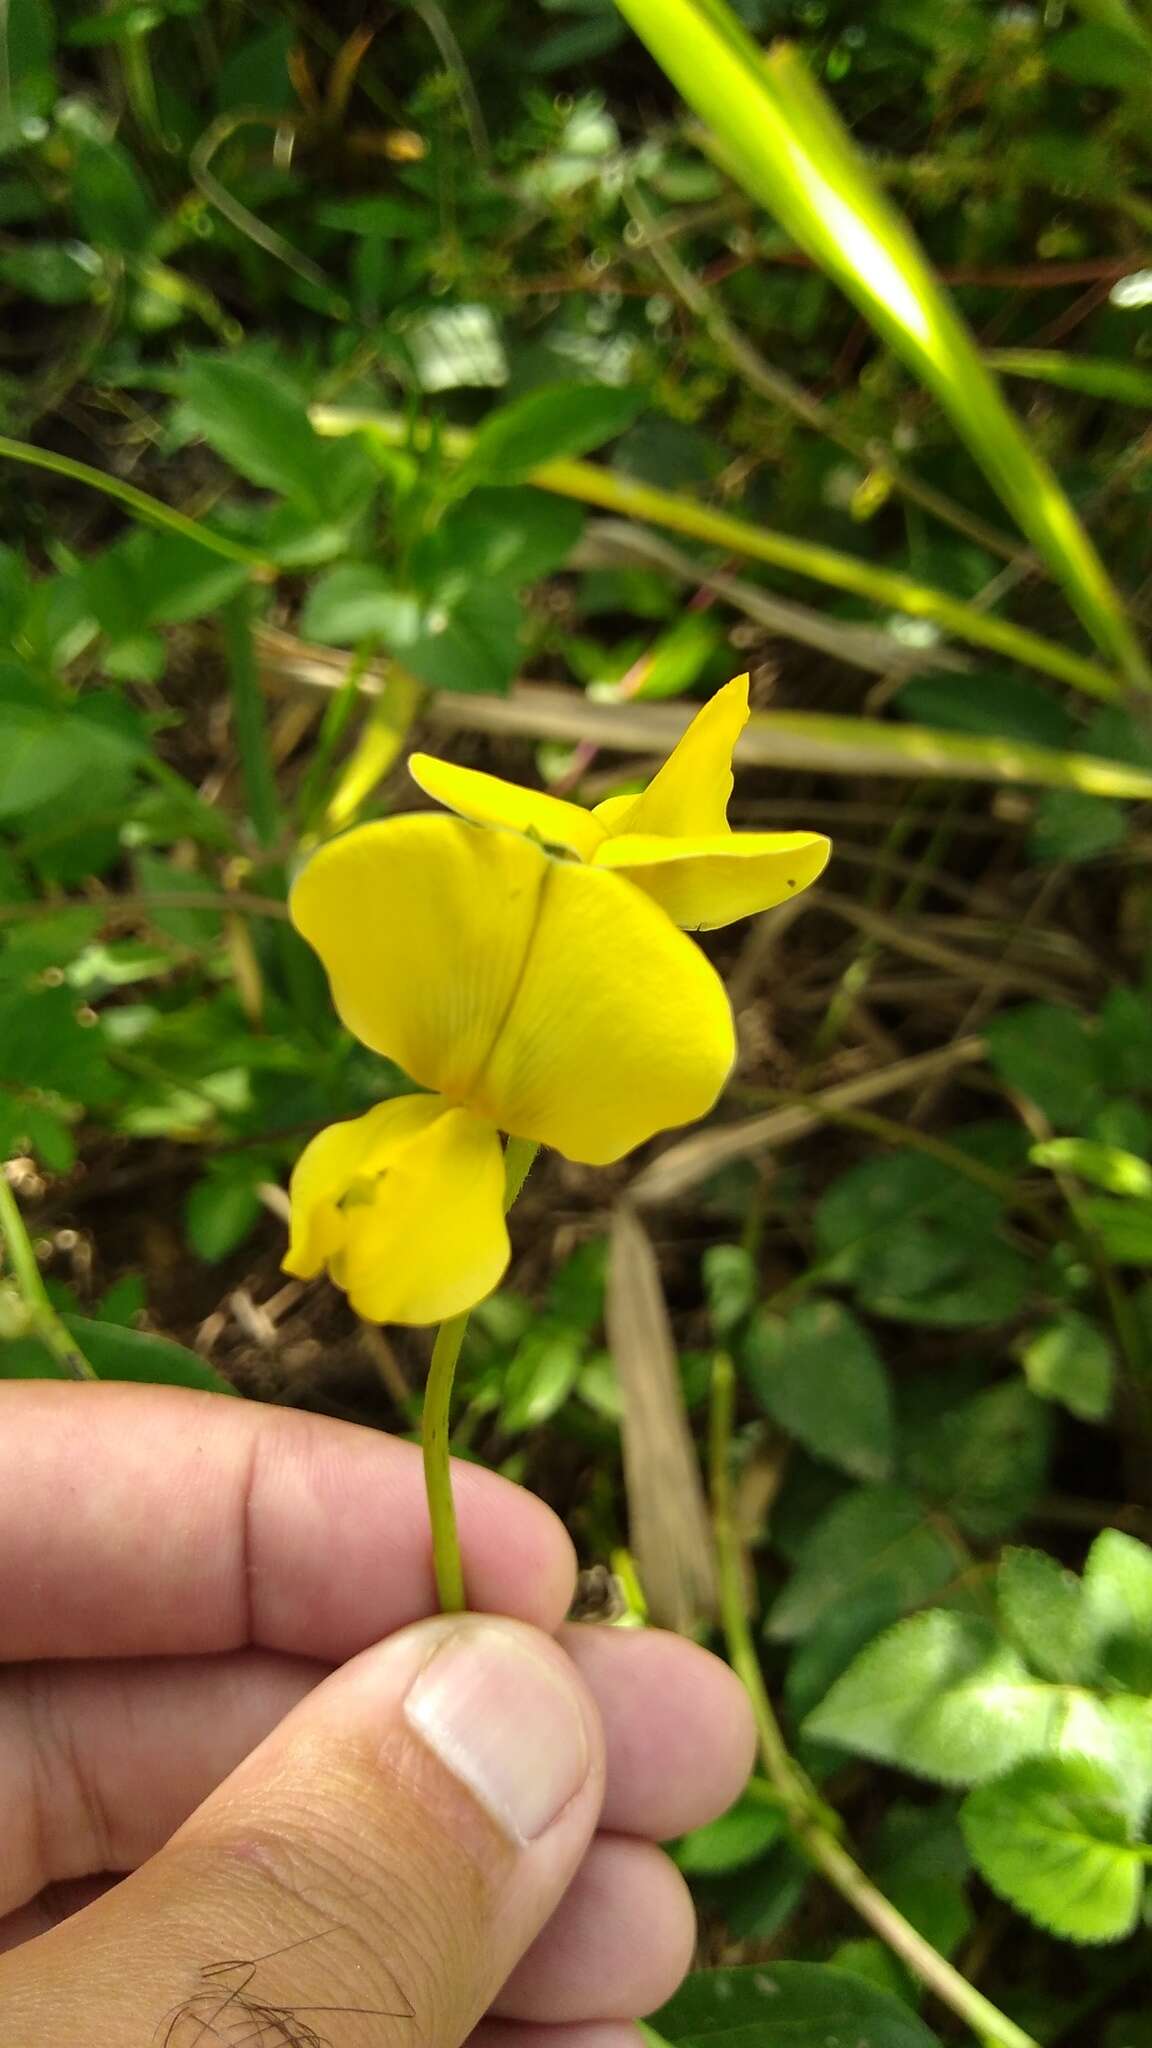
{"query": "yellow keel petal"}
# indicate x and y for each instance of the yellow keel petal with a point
(489, 800)
(704, 883)
(329, 1164)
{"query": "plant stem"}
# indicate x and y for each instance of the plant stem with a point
(813, 1825)
(151, 510)
(43, 1321)
(435, 1425)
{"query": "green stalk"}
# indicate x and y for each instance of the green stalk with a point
(435, 1426)
(43, 1321)
(813, 1825)
(151, 510)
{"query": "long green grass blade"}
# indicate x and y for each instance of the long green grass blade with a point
(783, 140)
(1097, 376)
(593, 485)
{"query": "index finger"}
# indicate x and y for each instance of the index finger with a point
(151, 1521)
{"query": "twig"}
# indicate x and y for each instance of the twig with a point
(43, 1321)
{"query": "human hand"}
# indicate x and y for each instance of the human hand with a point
(290, 1808)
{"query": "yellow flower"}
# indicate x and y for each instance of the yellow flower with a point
(532, 995)
(673, 841)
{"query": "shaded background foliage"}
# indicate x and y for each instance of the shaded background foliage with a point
(273, 271)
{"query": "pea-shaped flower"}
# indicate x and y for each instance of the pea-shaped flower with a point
(673, 841)
(531, 995)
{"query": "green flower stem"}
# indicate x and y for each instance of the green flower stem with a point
(435, 1426)
(815, 1828)
(43, 1321)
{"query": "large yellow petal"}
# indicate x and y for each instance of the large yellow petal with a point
(406, 1207)
(489, 800)
(689, 795)
(703, 883)
(424, 924)
(620, 1027)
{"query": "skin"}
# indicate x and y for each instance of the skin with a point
(204, 1606)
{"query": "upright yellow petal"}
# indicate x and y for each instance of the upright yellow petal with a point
(619, 1027)
(689, 795)
(406, 1208)
(424, 924)
(489, 800)
(703, 883)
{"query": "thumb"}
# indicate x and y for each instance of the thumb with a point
(371, 1874)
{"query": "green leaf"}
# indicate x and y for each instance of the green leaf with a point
(1048, 1054)
(1093, 53)
(919, 1242)
(220, 1212)
(1106, 1166)
(57, 273)
(30, 82)
(1124, 1228)
(115, 1353)
(109, 201)
(1070, 1360)
(357, 601)
(820, 1377)
(1054, 1839)
(876, 1540)
(1042, 1614)
(731, 1284)
(939, 1695)
(254, 417)
(918, 1858)
(394, 219)
(1118, 1608)
(787, 2005)
(540, 1378)
(1006, 705)
(740, 1836)
(1097, 375)
(1070, 825)
(552, 423)
(784, 142)
(508, 536)
(984, 1461)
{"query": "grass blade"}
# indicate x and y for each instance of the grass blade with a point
(782, 139)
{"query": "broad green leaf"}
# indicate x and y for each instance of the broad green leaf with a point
(254, 418)
(116, 1353)
(985, 1460)
(920, 1243)
(731, 1284)
(1069, 1359)
(57, 273)
(740, 1836)
(939, 1695)
(1070, 825)
(109, 200)
(554, 422)
(876, 1541)
(1042, 1614)
(787, 2005)
(1097, 53)
(219, 1214)
(1098, 376)
(1123, 1227)
(1054, 1839)
(30, 44)
(358, 601)
(1006, 705)
(540, 1378)
(918, 1858)
(1047, 1053)
(1118, 1608)
(819, 1375)
(785, 143)
(509, 536)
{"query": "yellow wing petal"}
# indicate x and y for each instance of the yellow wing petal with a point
(488, 800)
(620, 1028)
(689, 795)
(332, 1161)
(423, 924)
(703, 883)
(434, 1240)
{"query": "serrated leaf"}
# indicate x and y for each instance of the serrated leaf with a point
(939, 1695)
(1054, 1839)
(556, 422)
(984, 1461)
(878, 1542)
(1042, 1614)
(787, 2005)
(1069, 1359)
(919, 1242)
(819, 1375)
(1118, 1608)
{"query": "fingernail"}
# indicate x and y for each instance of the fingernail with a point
(506, 1721)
